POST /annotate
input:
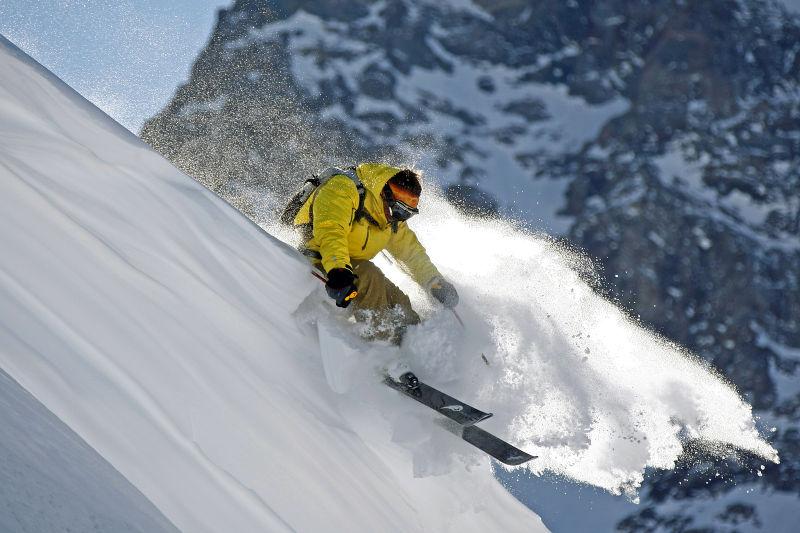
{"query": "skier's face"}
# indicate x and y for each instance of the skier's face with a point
(399, 205)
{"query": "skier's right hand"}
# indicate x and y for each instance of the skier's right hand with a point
(341, 286)
(444, 291)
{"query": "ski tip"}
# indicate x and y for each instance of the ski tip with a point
(501, 450)
(481, 419)
(517, 459)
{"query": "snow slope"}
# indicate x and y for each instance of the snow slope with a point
(156, 322)
(52, 481)
(177, 339)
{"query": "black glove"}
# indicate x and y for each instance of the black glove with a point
(341, 286)
(444, 292)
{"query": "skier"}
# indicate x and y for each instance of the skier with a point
(350, 217)
(346, 217)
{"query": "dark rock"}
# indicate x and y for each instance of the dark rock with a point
(471, 200)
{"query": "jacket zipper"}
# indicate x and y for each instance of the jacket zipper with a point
(366, 240)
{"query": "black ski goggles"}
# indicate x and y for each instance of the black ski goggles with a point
(400, 211)
(398, 201)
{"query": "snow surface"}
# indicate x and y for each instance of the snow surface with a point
(178, 340)
(53, 481)
(736, 210)
(157, 323)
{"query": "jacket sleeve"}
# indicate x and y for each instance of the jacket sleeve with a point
(333, 210)
(407, 250)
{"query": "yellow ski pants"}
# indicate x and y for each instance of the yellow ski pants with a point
(380, 306)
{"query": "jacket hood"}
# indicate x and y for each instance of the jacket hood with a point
(375, 175)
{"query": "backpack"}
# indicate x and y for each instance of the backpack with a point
(312, 184)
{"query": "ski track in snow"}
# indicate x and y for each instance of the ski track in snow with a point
(158, 323)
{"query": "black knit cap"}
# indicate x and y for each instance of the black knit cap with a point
(408, 180)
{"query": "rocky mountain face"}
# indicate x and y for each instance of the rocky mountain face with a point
(661, 136)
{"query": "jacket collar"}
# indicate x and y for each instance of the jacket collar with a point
(374, 177)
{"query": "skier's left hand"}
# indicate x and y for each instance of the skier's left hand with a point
(444, 291)
(341, 285)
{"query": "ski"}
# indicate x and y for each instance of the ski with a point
(495, 446)
(461, 420)
(456, 410)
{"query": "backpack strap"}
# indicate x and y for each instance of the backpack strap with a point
(350, 172)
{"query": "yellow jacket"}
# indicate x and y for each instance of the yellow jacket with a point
(339, 238)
